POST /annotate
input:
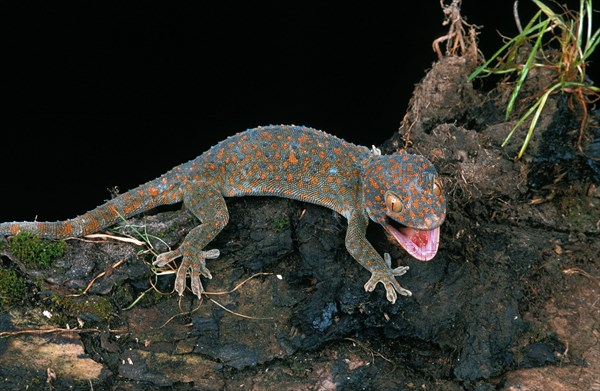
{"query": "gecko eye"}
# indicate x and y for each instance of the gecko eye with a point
(437, 188)
(393, 203)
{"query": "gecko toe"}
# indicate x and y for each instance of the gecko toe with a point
(166, 258)
(400, 270)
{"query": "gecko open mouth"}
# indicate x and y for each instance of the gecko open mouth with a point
(421, 244)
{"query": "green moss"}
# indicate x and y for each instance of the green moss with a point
(34, 251)
(580, 214)
(90, 308)
(281, 223)
(12, 288)
(538, 334)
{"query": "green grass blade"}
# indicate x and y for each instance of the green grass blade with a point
(545, 9)
(535, 107)
(580, 24)
(529, 29)
(520, 121)
(534, 120)
(526, 68)
(483, 67)
(591, 45)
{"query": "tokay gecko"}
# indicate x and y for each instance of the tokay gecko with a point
(401, 192)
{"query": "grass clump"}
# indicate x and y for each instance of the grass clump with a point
(34, 251)
(559, 42)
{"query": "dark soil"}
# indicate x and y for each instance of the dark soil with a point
(509, 302)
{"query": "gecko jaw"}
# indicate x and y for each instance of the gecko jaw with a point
(421, 244)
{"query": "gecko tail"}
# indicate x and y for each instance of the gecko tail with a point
(46, 230)
(136, 201)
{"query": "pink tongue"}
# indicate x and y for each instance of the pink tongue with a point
(421, 244)
(419, 238)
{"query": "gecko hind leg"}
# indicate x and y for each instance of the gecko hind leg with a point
(208, 205)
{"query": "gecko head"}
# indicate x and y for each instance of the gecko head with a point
(404, 194)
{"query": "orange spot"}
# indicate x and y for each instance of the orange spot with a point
(322, 154)
(153, 191)
(290, 177)
(67, 229)
(258, 153)
(292, 158)
(306, 162)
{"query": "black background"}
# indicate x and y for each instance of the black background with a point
(118, 93)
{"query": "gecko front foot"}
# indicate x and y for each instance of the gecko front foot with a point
(388, 278)
(194, 264)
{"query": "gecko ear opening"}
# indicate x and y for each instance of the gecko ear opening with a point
(393, 203)
(437, 188)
